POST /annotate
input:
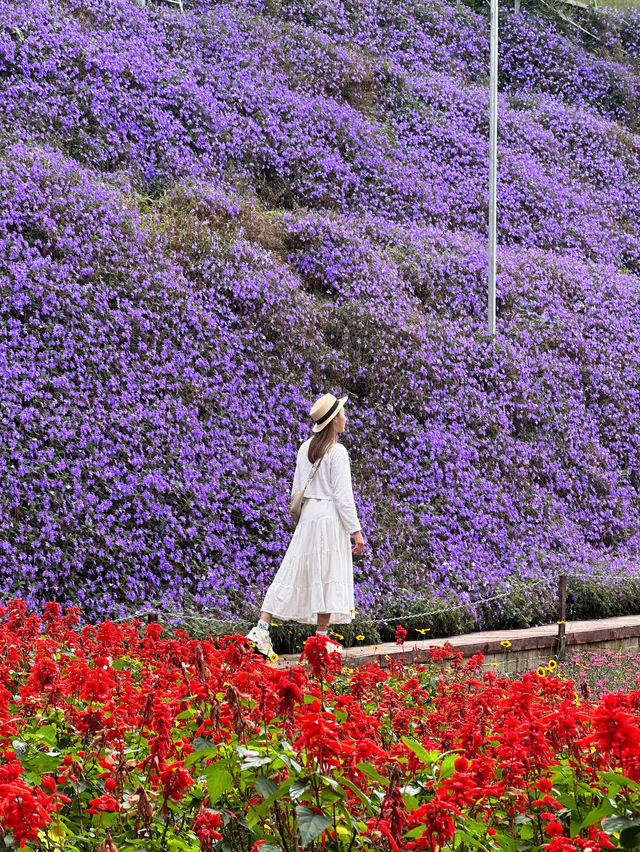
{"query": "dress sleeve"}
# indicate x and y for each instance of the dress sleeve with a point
(343, 489)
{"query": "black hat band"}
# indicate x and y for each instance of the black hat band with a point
(329, 413)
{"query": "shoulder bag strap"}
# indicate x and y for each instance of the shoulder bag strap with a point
(314, 468)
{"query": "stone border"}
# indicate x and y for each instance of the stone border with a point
(524, 643)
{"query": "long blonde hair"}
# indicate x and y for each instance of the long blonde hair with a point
(321, 442)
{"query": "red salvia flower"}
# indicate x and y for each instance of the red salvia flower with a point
(322, 660)
(614, 728)
(206, 827)
(436, 818)
(22, 809)
(175, 780)
(106, 802)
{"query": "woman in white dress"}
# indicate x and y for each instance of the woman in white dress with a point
(314, 583)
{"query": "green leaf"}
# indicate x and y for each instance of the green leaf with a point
(311, 824)
(47, 734)
(506, 843)
(203, 754)
(21, 748)
(412, 789)
(614, 779)
(258, 812)
(568, 800)
(594, 816)
(354, 789)
(331, 797)
(201, 743)
(254, 762)
(286, 760)
(290, 763)
(298, 789)
(177, 844)
(447, 767)
(252, 759)
(265, 786)
(420, 751)
(43, 763)
(563, 774)
(332, 782)
(415, 832)
(186, 714)
(630, 837)
(410, 802)
(526, 831)
(616, 824)
(473, 834)
(372, 772)
(219, 782)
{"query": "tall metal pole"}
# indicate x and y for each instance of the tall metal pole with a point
(493, 164)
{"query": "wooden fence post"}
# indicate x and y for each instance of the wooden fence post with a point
(561, 638)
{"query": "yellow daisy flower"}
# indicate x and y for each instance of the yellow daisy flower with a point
(551, 664)
(495, 664)
(422, 630)
(505, 643)
(541, 671)
(273, 657)
(360, 638)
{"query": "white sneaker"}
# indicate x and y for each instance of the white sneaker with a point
(334, 647)
(261, 639)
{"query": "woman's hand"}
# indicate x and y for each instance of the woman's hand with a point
(358, 543)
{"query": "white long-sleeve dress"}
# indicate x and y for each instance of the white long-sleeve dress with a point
(316, 574)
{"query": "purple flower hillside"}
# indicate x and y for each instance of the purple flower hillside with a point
(209, 218)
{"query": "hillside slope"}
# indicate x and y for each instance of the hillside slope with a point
(208, 219)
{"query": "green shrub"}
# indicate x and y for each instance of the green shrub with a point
(514, 606)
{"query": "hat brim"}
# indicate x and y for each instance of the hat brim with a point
(320, 426)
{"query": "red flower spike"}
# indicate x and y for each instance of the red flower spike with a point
(105, 802)
(322, 660)
(206, 827)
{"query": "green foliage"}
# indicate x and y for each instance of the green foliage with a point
(602, 597)
(439, 616)
(508, 607)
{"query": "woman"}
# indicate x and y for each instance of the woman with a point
(315, 580)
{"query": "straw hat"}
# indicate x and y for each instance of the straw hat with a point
(325, 409)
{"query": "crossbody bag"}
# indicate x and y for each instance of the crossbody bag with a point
(297, 498)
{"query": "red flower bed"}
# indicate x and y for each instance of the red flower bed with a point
(115, 738)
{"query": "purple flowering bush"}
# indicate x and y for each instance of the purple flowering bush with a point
(209, 218)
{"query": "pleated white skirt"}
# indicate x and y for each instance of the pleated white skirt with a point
(316, 574)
